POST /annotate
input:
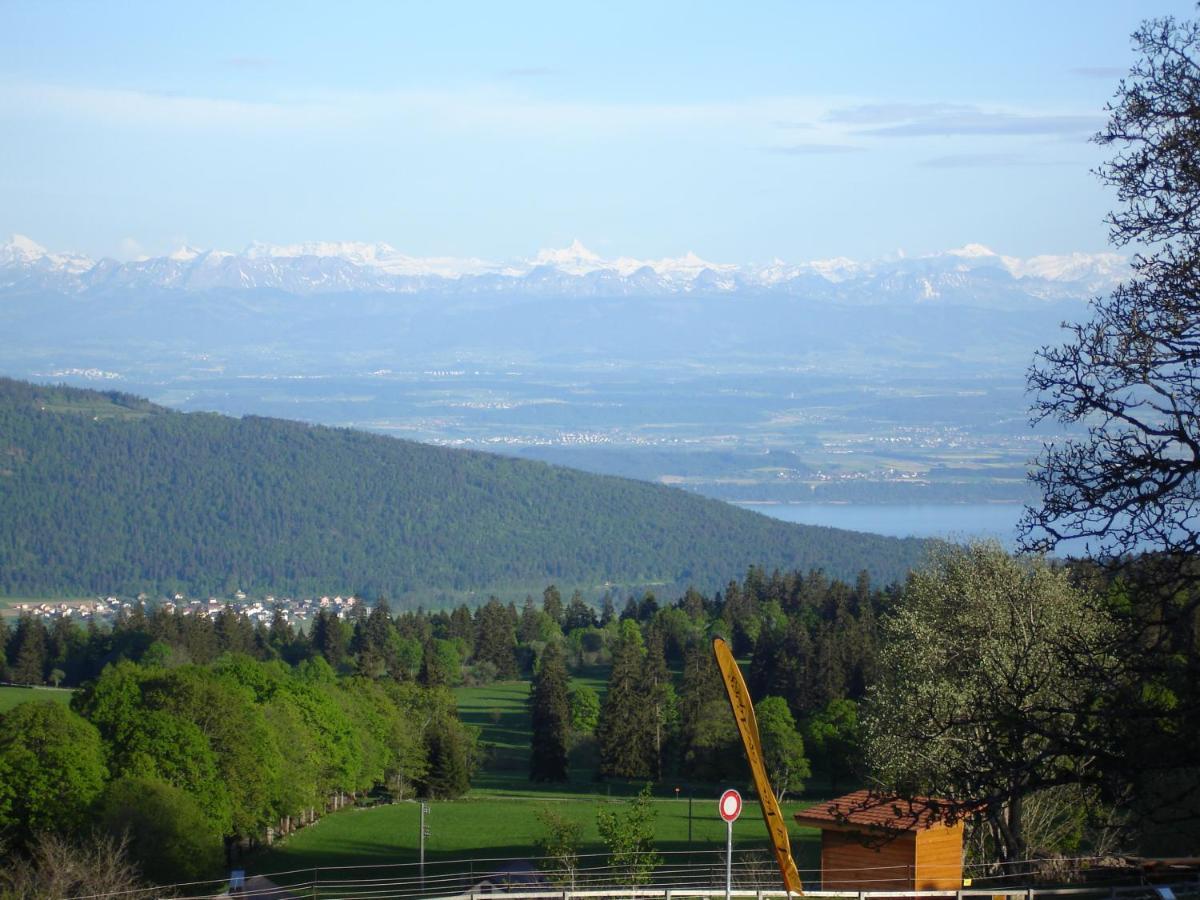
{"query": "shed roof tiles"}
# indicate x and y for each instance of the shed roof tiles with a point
(869, 810)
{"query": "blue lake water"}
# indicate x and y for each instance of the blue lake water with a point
(957, 521)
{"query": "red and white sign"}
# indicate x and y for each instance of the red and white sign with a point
(730, 805)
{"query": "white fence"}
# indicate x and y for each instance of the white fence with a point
(678, 875)
(381, 889)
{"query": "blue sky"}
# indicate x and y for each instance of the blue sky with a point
(740, 131)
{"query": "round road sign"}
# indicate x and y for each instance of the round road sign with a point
(730, 805)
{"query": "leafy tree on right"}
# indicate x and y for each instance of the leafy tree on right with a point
(1131, 375)
(987, 686)
(1126, 384)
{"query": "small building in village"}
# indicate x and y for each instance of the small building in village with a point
(879, 843)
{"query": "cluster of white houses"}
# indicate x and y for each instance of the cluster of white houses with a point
(105, 609)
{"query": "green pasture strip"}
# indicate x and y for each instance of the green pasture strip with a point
(11, 696)
(501, 713)
(504, 828)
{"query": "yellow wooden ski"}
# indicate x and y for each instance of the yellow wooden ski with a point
(743, 714)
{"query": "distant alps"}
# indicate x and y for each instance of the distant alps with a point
(971, 274)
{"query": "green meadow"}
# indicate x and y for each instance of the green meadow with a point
(491, 828)
(11, 696)
(498, 819)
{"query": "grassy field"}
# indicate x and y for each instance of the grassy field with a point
(498, 819)
(11, 696)
(505, 828)
(501, 712)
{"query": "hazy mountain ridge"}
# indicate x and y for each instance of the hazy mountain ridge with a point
(972, 274)
(104, 492)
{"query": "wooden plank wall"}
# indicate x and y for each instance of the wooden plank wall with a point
(846, 864)
(939, 858)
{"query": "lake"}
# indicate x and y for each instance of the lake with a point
(957, 521)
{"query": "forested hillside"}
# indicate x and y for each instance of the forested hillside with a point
(104, 492)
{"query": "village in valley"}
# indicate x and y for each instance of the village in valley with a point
(105, 610)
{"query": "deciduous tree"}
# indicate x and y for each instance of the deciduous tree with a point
(985, 687)
(1126, 480)
(558, 846)
(169, 837)
(51, 769)
(783, 747)
(1131, 375)
(627, 830)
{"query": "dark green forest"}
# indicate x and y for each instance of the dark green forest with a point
(105, 492)
(222, 728)
(190, 732)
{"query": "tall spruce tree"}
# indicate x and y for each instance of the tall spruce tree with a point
(433, 671)
(551, 717)
(462, 628)
(552, 604)
(496, 639)
(449, 774)
(625, 733)
(29, 654)
(3, 650)
(660, 704)
(578, 614)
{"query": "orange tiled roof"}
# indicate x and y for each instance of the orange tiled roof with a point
(866, 809)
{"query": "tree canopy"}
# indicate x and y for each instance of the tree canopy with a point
(1130, 376)
(986, 682)
(1125, 479)
(165, 501)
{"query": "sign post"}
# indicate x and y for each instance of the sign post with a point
(424, 834)
(730, 807)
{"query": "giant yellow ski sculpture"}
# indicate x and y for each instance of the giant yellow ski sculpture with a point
(743, 714)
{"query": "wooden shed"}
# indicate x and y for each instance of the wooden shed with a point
(871, 842)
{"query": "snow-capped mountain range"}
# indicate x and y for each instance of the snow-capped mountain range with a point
(972, 273)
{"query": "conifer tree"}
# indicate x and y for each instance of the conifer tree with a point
(551, 717)
(630, 610)
(608, 611)
(527, 628)
(552, 604)
(29, 657)
(235, 633)
(693, 604)
(625, 733)
(433, 670)
(4, 636)
(495, 638)
(660, 704)
(281, 633)
(462, 628)
(373, 642)
(578, 614)
(330, 637)
(449, 762)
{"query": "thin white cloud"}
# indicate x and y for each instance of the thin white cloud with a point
(988, 161)
(831, 125)
(815, 149)
(159, 108)
(490, 109)
(883, 113)
(958, 119)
